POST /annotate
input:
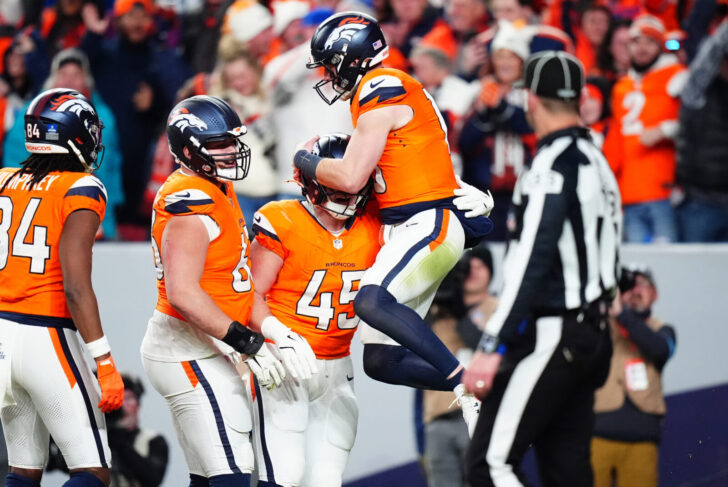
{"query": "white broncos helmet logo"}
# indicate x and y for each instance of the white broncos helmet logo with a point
(182, 120)
(345, 32)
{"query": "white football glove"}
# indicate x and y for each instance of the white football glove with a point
(295, 351)
(471, 200)
(267, 368)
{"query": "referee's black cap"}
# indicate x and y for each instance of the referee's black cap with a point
(553, 74)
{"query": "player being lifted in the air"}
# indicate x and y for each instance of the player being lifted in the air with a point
(400, 136)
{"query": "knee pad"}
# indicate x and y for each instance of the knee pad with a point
(198, 481)
(230, 480)
(369, 300)
(15, 480)
(83, 479)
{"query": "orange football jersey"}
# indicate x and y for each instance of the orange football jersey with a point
(226, 277)
(31, 223)
(415, 166)
(644, 173)
(315, 289)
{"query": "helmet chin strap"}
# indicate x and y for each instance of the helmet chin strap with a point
(75, 150)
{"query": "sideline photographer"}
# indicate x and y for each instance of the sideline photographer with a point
(630, 407)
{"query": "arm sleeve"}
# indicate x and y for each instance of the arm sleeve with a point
(550, 192)
(656, 346)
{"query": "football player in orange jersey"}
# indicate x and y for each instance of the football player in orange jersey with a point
(400, 136)
(308, 258)
(50, 210)
(206, 307)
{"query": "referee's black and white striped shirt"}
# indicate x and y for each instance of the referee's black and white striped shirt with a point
(565, 227)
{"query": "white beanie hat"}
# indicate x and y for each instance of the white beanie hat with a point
(285, 12)
(246, 19)
(510, 38)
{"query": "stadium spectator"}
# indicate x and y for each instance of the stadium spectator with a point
(412, 20)
(250, 24)
(594, 108)
(138, 79)
(521, 14)
(61, 25)
(613, 54)
(15, 91)
(461, 307)
(453, 96)
(702, 147)
(239, 84)
(497, 141)
(140, 455)
(639, 145)
(630, 406)
(593, 27)
(456, 37)
(287, 26)
(298, 113)
(201, 34)
(15, 82)
(587, 23)
(70, 69)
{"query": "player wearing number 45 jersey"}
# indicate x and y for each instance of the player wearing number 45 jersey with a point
(400, 136)
(50, 210)
(206, 307)
(308, 258)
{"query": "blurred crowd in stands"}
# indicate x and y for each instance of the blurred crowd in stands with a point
(656, 97)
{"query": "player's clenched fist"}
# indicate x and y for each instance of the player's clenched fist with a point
(112, 387)
(295, 351)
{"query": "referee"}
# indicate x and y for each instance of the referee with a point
(547, 347)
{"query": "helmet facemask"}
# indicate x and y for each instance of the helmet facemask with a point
(338, 204)
(231, 165)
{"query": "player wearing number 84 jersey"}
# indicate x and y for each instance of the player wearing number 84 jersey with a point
(50, 210)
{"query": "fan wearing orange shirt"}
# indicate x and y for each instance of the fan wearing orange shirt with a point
(399, 135)
(308, 257)
(50, 210)
(206, 305)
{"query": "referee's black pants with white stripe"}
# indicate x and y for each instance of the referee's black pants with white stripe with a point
(543, 395)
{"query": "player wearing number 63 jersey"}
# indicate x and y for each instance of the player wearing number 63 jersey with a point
(50, 210)
(308, 258)
(206, 308)
(400, 136)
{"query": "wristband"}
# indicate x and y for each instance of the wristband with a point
(306, 163)
(99, 347)
(491, 344)
(243, 339)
